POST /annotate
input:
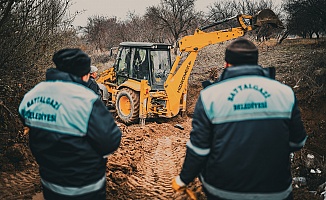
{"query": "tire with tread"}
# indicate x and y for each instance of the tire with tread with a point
(127, 105)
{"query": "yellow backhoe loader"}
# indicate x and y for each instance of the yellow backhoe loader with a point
(143, 83)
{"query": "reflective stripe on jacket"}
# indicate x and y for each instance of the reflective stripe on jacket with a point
(74, 191)
(244, 128)
(71, 133)
(245, 196)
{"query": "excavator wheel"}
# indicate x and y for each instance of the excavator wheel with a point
(127, 106)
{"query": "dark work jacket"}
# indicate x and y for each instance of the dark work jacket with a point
(93, 86)
(243, 130)
(71, 133)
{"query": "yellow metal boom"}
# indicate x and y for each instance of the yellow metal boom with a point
(176, 83)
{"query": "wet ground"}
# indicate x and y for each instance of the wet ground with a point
(151, 155)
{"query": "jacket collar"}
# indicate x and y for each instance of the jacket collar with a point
(54, 74)
(243, 70)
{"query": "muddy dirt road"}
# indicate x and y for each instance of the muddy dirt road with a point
(148, 159)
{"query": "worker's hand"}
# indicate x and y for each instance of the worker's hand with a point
(177, 184)
(26, 130)
(191, 194)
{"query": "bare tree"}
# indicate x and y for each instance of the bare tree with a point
(222, 9)
(30, 31)
(27, 30)
(104, 33)
(99, 31)
(6, 7)
(225, 9)
(306, 17)
(143, 29)
(173, 18)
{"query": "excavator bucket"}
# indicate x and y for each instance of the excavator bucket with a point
(265, 17)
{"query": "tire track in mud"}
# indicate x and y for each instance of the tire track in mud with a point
(160, 169)
(21, 185)
(162, 153)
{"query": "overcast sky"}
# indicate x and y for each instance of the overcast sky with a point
(120, 8)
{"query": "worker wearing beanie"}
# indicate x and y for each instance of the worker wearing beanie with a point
(244, 127)
(71, 133)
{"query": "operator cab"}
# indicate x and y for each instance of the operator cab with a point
(143, 61)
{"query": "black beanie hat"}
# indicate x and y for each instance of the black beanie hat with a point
(73, 61)
(241, 51)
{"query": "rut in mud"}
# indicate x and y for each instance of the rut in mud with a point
(20, 185)
(155, 156)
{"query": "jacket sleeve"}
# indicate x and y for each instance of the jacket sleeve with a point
(298, 134)
(103, 133)
(198, 147)
(91, 84)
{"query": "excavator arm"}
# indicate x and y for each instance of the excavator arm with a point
(177, 81)
(201, 39)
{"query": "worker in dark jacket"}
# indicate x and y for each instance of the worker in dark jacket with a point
(71, 131)
(92, 82)
(244, 128)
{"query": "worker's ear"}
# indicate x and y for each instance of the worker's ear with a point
(85, 78)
